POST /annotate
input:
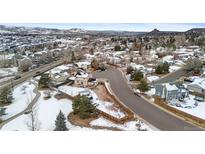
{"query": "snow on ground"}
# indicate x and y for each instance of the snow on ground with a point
(152, 78)
(22, 94)
(37, 78)
(108, 107)
(128, 77)
(173, 68)
(129, 126)
(105, 106)
(47, 111)
(60, 68)
(8, 71)
(72, 91)
(6, 79)
(190, 106)
(167, 58)
(179, 62)
(151, 92)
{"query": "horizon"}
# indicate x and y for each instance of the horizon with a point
(135, 27)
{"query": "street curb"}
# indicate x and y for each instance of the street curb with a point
(171, 113)
(135, 114)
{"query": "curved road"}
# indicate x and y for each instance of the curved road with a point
(155, 116)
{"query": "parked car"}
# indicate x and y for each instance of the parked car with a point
(38, 72)
(136, 92)
(28, 111)
(17, 77)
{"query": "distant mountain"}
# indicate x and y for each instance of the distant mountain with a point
(156, 32)
(77, 31)
(196, 31)
(115, 33)
(38, 30)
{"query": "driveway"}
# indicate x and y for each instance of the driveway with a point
(152, 114)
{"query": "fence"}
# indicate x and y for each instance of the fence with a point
(130, 114)
(161, 103)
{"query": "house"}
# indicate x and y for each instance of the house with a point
(137, 67)
(59, 78)
(169, 91)
(197, 85)
(81, 78)
(6, 59)
(83, 64)
(86, 93)
(60, 74)
(114, 60)
(151, 79)
(84, 79)
(22, 62)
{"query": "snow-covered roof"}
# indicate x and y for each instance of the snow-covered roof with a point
(83, 63)
(167, 58)
(137, 66)
(82, 75)
(199, 81)
(170, 87)
(152, 78)
(72, 78)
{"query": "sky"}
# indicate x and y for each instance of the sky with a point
(116, 26)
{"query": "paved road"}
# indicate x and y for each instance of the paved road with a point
(155, 116)
(30, 74)
(171, 77)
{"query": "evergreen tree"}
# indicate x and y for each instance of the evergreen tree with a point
(102, 67)
(117, 48)
(60, 122)
(194, 64)
(95, 64)
(166, 67)
(130, 69)
(44, 81)
(83, 107)
(6, 96)
(2, 111)
(162, 68)
(137, 75)
(73, 58)
(92, 51)
(143, 86)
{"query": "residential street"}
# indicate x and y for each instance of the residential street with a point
(171, 77)
(155, 116)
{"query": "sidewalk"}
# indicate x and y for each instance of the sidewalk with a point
(33, 102)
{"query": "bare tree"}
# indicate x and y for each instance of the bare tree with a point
(33, 122)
